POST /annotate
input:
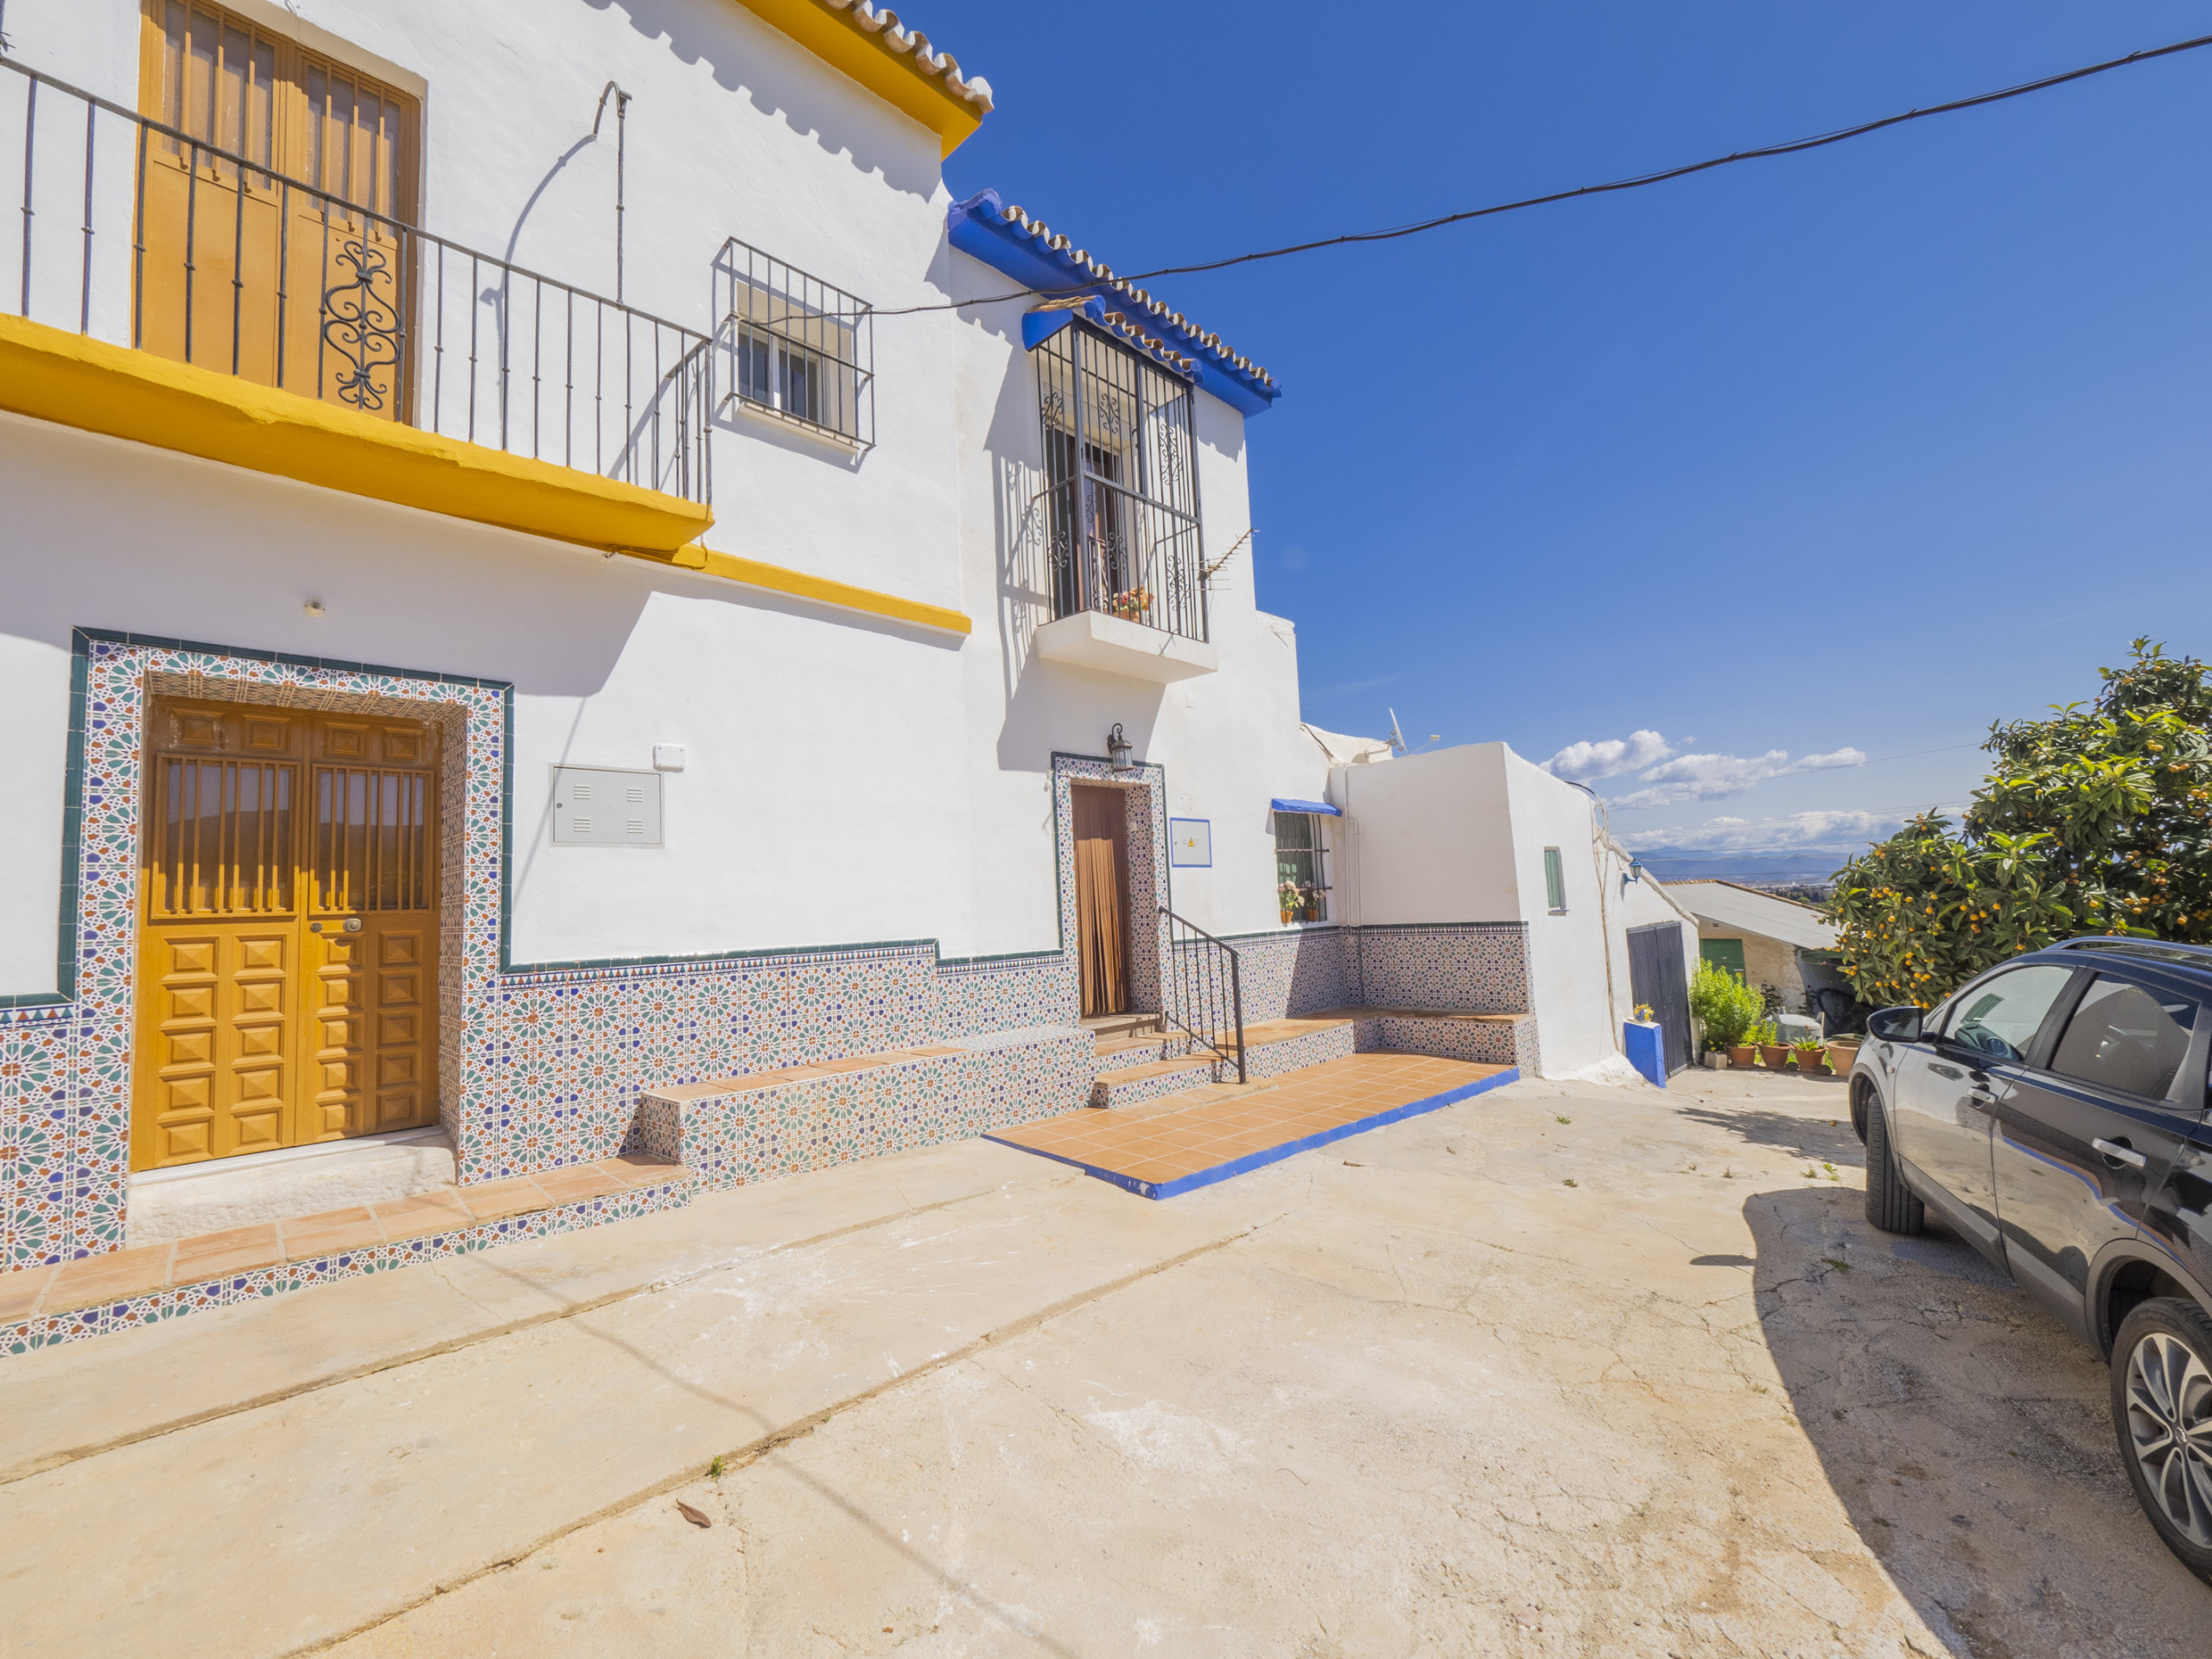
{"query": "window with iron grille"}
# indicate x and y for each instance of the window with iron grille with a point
(1302, 880)
(790, 346)
(1121, 492)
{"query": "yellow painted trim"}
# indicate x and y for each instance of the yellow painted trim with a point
(838, 38)
(74, 380)
(775, 578)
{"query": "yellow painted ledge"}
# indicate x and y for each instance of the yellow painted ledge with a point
(882, 59)
(820, 589)
(77, 381)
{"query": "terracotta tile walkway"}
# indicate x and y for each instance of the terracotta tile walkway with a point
(1181, 1141)
(123, 1274)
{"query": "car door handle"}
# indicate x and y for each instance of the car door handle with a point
(2120, 1151)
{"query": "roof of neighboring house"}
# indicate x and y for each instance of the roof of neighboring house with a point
(1027, 249)
(1723, 904)
(1345, 751)
(898, 64)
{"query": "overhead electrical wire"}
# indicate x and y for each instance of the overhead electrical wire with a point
(1639, 182)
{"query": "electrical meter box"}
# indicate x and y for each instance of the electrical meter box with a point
(595, 806)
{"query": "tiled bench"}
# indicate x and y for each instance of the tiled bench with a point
(138, 1285)
(1447, 1033)
(731, 1131)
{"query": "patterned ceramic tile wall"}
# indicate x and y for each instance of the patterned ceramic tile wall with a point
(1311, 1048)
(1474, 967)
(990, 1082)
(1485, 1043)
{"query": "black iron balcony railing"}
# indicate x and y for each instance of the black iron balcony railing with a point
(1121, 501)
(138, 233)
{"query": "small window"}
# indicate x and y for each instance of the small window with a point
(1555, 881)
(1302, 880)
(792, 345)
(2000, 1017)
(2127, 1037)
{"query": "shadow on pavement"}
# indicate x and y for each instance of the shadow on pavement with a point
(1966, 1434)
(1817, 1138)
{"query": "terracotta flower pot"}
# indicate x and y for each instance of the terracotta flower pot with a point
(1842, 1057)
(1812, 1065)
(1743, 1054)
(1776, 1055)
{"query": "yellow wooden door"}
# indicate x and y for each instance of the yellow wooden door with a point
(287, 945)
(374, 928)
(295, 276)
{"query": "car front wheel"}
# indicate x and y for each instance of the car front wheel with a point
(2162, 1407)
(1891, 1204)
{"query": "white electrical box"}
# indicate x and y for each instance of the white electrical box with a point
(593, 806)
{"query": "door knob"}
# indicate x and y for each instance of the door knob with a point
(2119, 1152)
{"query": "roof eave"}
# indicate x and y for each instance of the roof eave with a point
(984, 228)
(897, 64)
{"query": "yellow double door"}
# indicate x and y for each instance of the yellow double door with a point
(287, 989)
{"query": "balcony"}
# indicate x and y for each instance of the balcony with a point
(1120, 509)
(188, 296)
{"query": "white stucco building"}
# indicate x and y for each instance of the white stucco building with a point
(534, 577)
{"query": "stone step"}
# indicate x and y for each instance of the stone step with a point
(137, 1284)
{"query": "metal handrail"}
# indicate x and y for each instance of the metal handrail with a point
(1202, 989)
(401, 362)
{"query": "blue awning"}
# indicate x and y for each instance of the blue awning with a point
(1013, 244)
(1322, 807)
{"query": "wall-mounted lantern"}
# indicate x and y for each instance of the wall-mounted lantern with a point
(1117, 748)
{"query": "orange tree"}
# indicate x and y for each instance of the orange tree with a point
(2095, 820)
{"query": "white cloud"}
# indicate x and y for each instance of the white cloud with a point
(1837, 828)
(1584, 763)
(1718, 777)
(1845, 756)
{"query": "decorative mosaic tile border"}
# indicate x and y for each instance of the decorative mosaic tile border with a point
(229, 1292)
(789, 1128)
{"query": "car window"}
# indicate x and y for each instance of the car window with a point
(2127, 1037)
(2000, 1017)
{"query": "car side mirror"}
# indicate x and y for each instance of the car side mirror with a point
(1896, 1025)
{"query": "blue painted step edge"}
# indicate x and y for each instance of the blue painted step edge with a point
(1253, 1160)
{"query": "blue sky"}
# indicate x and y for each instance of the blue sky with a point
(1844, 454)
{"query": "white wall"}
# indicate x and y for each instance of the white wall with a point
(1459, 835)
(849, 779)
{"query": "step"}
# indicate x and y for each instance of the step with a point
(1487, 1038)
(1271, 1048)
(1115, 1025)
(755, 1126)
(140, 1284)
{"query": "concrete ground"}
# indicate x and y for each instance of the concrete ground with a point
(1565, 1368)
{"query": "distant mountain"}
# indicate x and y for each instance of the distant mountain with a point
(1799, 864)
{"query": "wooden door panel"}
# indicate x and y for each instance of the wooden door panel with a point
(216, 1043)
(289, 945)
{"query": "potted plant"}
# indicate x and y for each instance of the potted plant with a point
(1772, 1049)
(1843, 1054)
(1299, 902)
(1728, 1008)
(1811, 1055)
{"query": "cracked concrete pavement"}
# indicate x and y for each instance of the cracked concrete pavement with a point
(1565, 1368)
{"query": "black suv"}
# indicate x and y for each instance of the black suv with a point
(2053, 1114)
